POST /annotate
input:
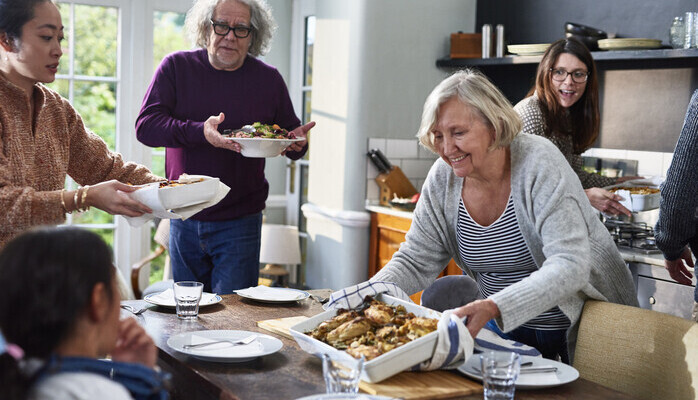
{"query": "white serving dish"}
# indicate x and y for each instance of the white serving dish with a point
(189, 194)
(384, 366)
(636, 202)
(262, 147)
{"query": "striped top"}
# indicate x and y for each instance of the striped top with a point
(500, 256)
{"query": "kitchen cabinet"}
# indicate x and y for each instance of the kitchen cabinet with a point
(387, 233)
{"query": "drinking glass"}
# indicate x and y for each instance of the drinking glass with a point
(342, 375)
(187, 296)
(499, 372)
(690, 23)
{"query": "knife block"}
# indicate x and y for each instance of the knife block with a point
(395, 183)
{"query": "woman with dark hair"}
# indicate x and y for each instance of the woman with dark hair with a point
(59, 313)
(563, 106)
(42, 137)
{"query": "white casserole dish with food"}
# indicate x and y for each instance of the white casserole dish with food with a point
(188, 190)
(385, 365)
(637, 198)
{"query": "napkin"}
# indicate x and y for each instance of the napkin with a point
(148, 195)
(166, 298)
(538, 378)
(268, 293)
(489, 340)
(627, 200)
(225, 349)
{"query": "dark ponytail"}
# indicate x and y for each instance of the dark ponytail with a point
(47, 277)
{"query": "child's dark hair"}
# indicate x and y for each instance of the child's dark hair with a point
(47, 277)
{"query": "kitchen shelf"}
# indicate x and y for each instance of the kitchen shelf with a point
(615, 59)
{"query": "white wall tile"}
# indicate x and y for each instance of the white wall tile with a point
(400, 148)
(667, 162)
(426, 153)
(649, 163)
(610, 153)
(372, 190)
(377, 143)
(416, 168)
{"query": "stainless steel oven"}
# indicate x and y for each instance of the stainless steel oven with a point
(657, 291)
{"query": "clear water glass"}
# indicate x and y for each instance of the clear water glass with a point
(500, 369)
(690, 23)
(342, 375)
(187, 296)
(677, 33)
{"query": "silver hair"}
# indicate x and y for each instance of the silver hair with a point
(474, 90)
(197, 24)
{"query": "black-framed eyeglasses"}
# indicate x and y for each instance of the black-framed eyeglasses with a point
(578, 76)
(240, 31)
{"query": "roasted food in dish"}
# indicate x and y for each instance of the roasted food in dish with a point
(372, 330)
(638, 190)
(260, 130)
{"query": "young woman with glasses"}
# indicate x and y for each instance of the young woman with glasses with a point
(563, 106)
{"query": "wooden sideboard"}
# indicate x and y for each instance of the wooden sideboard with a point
(387, 233)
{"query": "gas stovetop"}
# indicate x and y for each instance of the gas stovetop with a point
(632, 236)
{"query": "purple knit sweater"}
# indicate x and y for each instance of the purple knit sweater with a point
(185, 91)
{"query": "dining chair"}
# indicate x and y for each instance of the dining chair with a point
(644, 353)
(450, 291)
(139, 278)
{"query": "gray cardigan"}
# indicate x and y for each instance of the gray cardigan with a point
(574, 252)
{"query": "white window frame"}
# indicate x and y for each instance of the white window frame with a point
(133, 75)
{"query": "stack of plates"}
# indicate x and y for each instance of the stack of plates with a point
(629, 44)
(528, 49)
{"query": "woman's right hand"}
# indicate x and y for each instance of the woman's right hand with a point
(111, 197)
(134, 345)
(606, 202)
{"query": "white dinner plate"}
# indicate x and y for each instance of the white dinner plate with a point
(345, 396)
(225, 352)
(564, 374)
(207, 299)
(267, 294)
(259, 147)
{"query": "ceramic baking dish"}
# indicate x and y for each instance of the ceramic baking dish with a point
(636, 202)
(385, 365)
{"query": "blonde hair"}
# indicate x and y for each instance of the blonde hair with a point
(197, 24)
(477, 92)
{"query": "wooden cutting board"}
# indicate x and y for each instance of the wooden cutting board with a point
(281, 326)
(423, 385)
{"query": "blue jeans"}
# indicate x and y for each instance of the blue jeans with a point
(224, 255)
(551, 344)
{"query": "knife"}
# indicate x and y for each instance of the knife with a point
(384, 159)
(382, 167)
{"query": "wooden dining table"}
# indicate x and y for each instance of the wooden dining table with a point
(289, 373)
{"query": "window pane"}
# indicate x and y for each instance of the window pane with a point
(106, 234)
(96, 103)
(62, 86)
(307, 96)
(309, 41)
(168, 35)
(94, 216)
(96, 39)
(64, 65)
(157, 165)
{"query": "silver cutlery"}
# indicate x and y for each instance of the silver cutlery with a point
(135, 311)
(234, 342)
(527, 370)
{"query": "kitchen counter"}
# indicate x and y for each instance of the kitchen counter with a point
(629, 256)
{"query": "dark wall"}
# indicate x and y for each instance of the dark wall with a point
(641, 109)
(542, 21)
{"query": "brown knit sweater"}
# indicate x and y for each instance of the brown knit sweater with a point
(34, 160)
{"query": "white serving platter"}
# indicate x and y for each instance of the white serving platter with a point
(384, 366)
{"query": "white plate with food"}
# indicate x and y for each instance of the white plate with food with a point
(186, 191)
(166, 299)
(261, 140)
(562, 374)
(266, 294)
(380, 365)
(223, 350)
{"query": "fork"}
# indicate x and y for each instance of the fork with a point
(135, 311)
(234, 342)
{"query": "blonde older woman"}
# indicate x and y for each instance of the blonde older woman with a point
(507, 207)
